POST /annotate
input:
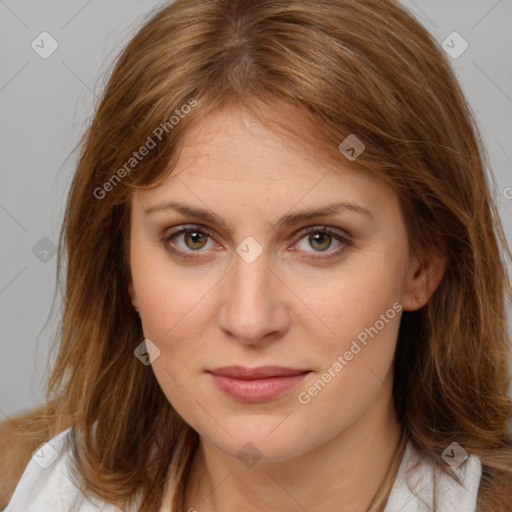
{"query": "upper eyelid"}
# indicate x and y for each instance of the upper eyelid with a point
(179, 230)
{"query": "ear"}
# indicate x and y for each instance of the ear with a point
(425, 272)
(133, 295)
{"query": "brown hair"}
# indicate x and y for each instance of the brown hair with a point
(367, 68)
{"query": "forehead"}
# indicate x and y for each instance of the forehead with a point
(229, 159)
(233, 144)
(235, 135)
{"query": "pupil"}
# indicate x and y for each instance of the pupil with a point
(321, 238)
(195, 238)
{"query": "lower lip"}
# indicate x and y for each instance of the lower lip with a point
(257, 390)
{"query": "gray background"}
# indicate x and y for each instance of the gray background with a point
(44, 104)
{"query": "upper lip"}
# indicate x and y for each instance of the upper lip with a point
(260, 372)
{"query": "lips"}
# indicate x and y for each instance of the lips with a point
(256, 384)
(261, 372)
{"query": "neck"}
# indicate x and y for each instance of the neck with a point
(343, 474)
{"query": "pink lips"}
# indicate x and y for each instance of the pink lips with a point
(256, 384)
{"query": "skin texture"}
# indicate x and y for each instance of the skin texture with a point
(283, 309)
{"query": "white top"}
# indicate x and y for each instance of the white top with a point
(46, 486)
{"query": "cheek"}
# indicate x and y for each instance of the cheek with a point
(169, 307)
(358, 356)
(355, 299)
(166, 293)
(172, 309)
(355, 362)
(362, 308)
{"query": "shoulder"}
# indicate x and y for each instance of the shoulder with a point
(419, 484)
(47, 483)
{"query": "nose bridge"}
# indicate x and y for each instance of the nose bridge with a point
(251, 308)
(250, 283)
(252, 277)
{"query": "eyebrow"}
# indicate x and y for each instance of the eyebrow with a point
(286, 220)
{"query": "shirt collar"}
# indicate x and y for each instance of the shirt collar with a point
(418, 496)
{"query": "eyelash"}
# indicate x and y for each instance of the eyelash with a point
(189, 255)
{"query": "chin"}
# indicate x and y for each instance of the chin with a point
(270, 438)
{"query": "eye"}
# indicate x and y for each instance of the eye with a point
(189, 241)
(321, 239)
(192, 238)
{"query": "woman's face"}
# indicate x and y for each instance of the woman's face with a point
(260, 282)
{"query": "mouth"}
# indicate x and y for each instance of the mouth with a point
(259, 384)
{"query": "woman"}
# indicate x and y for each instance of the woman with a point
(284, 288)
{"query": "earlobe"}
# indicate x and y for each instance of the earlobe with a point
(427, 272)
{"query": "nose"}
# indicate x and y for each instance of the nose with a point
(254, 309)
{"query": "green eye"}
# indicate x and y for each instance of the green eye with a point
(188, 242)
(195, 239)
(320, 240)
